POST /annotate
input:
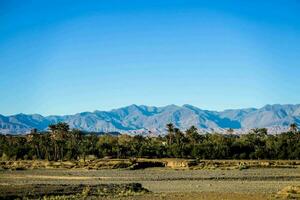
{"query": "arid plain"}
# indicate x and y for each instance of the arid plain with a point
(214, 181)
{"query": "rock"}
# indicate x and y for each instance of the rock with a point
(290, 192)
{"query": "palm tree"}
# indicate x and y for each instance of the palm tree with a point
(178, 136)
(192, 135)
(36, 144)
(58, 134)
(53, 137)
(230, 131)
(46, 146)
(170, 135)
(170, 128)
(293, 127)
(260, 131)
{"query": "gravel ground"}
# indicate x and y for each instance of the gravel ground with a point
(170, 184)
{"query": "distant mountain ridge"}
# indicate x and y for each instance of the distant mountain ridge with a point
(146, 119)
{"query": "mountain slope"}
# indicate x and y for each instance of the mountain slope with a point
(137, 119)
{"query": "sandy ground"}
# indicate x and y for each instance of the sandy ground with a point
(170, 184)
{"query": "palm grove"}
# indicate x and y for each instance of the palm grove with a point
(61, 143)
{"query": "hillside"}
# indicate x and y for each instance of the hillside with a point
(142, 119)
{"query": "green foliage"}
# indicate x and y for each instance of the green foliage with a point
(61, 143)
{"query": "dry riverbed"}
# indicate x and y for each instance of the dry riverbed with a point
(165, 183)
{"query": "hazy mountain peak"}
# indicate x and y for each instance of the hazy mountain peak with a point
(139, 118)
(189, 106)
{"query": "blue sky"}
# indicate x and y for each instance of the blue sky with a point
(64, 57)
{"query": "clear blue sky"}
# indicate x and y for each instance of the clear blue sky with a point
(64, 57)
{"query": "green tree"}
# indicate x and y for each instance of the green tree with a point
(170, 133)
(293, 127)
(59, 133)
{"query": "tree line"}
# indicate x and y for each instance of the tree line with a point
(62, 143)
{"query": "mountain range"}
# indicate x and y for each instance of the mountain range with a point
(136, 119)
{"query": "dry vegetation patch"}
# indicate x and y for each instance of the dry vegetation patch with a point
(289, 192)
(35, 191)
(244, 164)
(148, 163)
